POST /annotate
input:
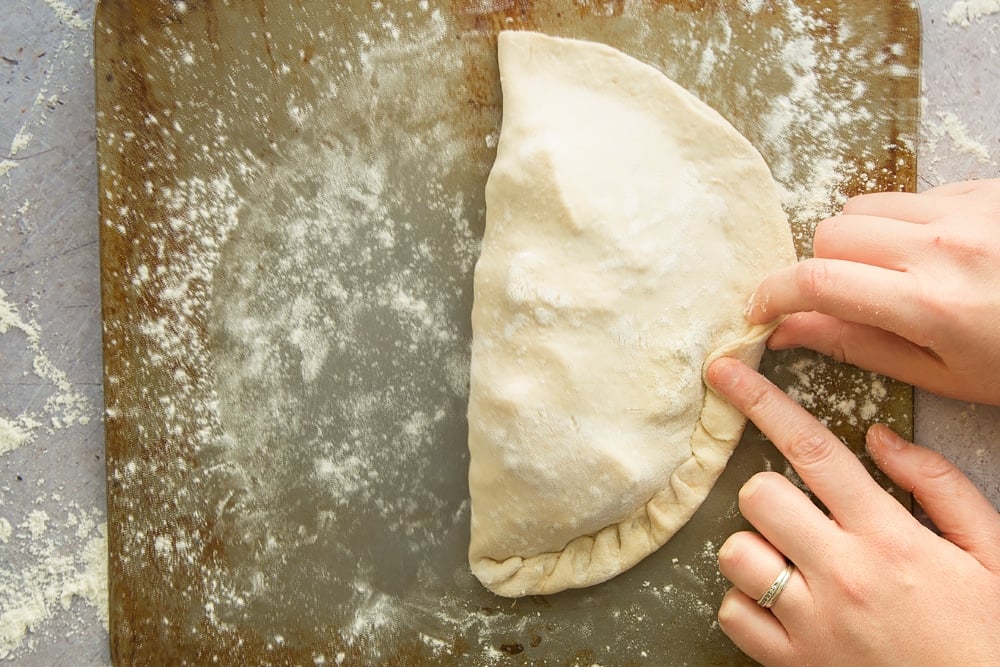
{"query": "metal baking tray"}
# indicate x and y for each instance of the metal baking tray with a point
(291, 196)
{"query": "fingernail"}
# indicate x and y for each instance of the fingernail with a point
(748, 309)
(721, 372)
(887, 437)
(748, 489)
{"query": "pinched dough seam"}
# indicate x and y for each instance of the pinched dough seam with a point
(591, 559)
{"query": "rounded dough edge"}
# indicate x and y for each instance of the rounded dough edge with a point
(591, 559)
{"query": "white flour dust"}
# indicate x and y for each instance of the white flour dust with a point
(945, 126)
(965, 12)
(47, 100)
(67, 14)
(52, 568)
(21, 140)
(53, 546)
(324, 301)
(810, 130)
(64, 405)
(48, 568)
(321, 297)
(63, 566)
(837, 397)
(16, 432)
(949, 124)
(351, 343)
(808, 94)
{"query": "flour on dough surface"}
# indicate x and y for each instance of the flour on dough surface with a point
(627, 224)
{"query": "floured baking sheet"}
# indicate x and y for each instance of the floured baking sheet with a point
(291, 206)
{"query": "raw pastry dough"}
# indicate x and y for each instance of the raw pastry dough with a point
(627, 223)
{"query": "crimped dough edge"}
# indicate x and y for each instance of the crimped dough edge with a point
(591, 559)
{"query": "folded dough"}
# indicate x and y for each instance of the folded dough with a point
(627, 223)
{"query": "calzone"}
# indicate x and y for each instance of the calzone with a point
(627, 224)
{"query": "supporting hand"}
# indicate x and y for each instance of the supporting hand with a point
(902, 284)
(871, 585)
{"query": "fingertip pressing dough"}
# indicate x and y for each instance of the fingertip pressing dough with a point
(627, 224)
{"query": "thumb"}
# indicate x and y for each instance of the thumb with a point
(960, 511)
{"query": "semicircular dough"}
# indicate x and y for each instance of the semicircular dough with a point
(627, 224)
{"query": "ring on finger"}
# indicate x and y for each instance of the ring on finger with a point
(770, 596)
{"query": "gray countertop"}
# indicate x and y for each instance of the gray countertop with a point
(53, 607)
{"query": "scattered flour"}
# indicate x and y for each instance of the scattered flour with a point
(314, 367)
(65, 55)
(56, 569)
(15, 433)
(811, 132)
(948, 143)
(64, 405)
(964, 12)
(952, 127)
(839, 396)
(67, 14)
(50, 568)
(798, 98)
(53, 551)
(300, 389)
(21, 141)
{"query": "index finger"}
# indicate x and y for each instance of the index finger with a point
(823, 462)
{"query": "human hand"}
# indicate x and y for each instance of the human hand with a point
(872, 586)
(902, 284)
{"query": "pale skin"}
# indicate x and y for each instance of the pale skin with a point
(909, 286)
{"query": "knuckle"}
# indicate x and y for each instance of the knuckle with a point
(895, 540)
(813, 277)
(853, 586)
(937, 468)
(838, 342)
(811, 447)
(963, 244)
(733, 553)
(756, 398)
(896, 546)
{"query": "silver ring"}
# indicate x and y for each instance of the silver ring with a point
(770, 596)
